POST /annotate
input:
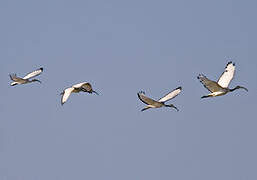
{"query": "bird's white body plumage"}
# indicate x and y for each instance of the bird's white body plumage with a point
(217, 93)
(14, 83)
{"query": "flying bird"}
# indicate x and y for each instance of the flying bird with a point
(220, 87)
(84, 86)
(161, 102)
(26, 79)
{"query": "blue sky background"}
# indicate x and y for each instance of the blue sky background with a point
(122, 47)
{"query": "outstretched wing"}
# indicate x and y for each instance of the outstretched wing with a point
(171, 95)
(33, 73)
(66, 93)
(15, 78)
(144, 99)
(227, 75)
(79, 85)
(212, 86)
(84, 86)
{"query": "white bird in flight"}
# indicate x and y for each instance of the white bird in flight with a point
(220, 87)
(84, 86)
(160, 103)
(26, 79)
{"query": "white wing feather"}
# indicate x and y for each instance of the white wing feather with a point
(171, 95)
(79, 85)
(33, 73)
(227, 75)
(66, 94)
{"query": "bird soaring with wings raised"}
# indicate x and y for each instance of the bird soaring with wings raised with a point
(220, 87)
(84, 86)
(26, 79)
(161, 102)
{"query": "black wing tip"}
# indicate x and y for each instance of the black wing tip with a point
(179, 88)
(11, 76)
(41, 69)
(138, 94)
(141, 92)
(230, 62)
(198, 77)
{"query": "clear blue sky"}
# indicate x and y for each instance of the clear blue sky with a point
(122, 47)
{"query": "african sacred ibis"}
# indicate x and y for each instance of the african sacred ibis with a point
(160, 103)
(26, 79)
(84, 86)
(220, 87)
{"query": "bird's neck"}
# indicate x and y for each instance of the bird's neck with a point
(231, 90)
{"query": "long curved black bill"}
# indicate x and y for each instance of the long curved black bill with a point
(175, 108)
(244, 88)
(95, 92)
(37, 80)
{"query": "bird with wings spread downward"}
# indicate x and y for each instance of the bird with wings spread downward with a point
(220, 87)
(26, 79)
(161, 102)
(84, 86)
